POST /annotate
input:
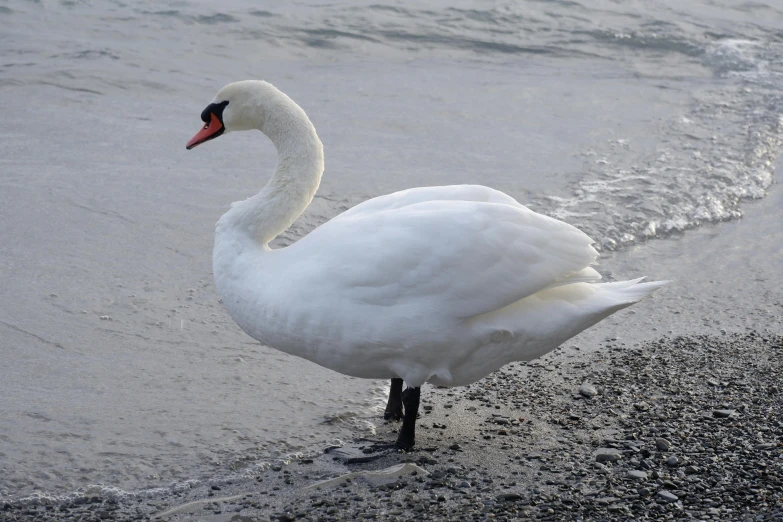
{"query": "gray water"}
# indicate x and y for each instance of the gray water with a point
(119, 368)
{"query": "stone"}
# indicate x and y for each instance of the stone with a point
(667, 496)
(587, 390)
(607, 455)
(508, 497)
(672, 461)
(636, 474)
(662, 444)
(722, 414)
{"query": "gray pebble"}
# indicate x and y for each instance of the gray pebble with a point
(607, 455)
(662, 444)
(722, 414)
(672, 461)
(587, 390)
(667, 496)
(641, 475)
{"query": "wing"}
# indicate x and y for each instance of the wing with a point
(451, 256)
(412, 196)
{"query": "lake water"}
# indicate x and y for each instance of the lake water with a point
(118, 365)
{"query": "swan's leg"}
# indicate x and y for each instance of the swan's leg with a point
(394, 404)
(410, 398)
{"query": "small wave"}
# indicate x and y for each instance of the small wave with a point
(701, 177)
(261, 13)
(334, 33)
(389, 8)
(88, 54)
(167, 12)
(653, 41)
(217, 18)
(213, 19)
(465, 43)
(733, 55)
(69, 87)
(750, 61)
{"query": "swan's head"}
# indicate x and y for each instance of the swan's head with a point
(238, 106)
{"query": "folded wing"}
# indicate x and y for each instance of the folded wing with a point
(459, 251)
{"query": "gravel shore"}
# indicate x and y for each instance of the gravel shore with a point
(675, 429)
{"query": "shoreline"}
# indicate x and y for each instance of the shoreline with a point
(704, 441)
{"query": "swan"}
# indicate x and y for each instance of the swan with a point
(433, 284)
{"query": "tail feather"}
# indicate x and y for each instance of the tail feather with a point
(633, 290)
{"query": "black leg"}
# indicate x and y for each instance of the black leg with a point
(394, 404)
(410, 398)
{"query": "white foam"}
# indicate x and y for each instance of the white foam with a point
(719, 154)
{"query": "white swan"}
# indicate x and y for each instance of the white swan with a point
(432, 284)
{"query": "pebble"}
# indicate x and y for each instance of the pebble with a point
(607, 455)
(722, 414)
(634, 473)
(587, 390)
(508, 497)
(672, 461)
(662, 444)
(667, 496)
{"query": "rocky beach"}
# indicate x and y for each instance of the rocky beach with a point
(683, 428)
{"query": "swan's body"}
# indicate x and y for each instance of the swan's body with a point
(434, 284)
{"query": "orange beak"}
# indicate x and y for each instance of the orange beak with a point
(211, 130)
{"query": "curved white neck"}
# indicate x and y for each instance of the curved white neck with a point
(296, 178)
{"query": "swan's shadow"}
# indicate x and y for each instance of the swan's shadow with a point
(363, 450)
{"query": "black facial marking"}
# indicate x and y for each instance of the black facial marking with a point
(214, 108)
